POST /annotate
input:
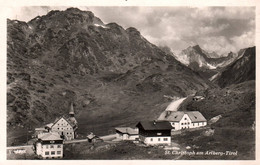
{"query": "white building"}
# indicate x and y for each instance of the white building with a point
(126, 133)
(155, 132)
(183, 119)
(65, 126)
(49, 145)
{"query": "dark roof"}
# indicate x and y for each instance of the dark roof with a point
(154, 125)
(176, 116)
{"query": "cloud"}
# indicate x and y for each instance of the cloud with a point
(219, 29)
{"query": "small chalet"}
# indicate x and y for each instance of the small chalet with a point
(49, 145)
(126, 133)
(183, 119)
(93, 138)
(155, 132)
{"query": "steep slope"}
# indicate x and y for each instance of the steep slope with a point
(243, 69)
(112, 75)
(236, 104)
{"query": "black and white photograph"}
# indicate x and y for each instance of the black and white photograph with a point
(130, 82)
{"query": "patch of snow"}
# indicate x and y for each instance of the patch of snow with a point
(101, 26)
(241, 55)
(188, 147)
(30, 27)
(174, 105)
(215, 119)
(183, 58)
(200, 62)
(15, 21)
(213, 77)
(211, 66)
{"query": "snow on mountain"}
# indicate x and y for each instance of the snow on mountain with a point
(197, 58)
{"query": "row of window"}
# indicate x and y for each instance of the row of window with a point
(62, 124)
(68, 133)
(52, 153)
(190, 123)
(52, 146)
(64, 128)
(185, 123)
(159, 139)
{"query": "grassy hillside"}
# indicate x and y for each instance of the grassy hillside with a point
(234, 131)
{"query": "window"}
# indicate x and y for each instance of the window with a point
(188, 122)
(185, 118)
(151, 139)
(52, 152)
(58, 146)
(172, 123)
(47, 146)
(181, 123)
(47, 153)
(159, 139)
(193, 124)
(58, 152)
(165, 139)
(52, 146)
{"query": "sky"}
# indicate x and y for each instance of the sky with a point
(219, 29)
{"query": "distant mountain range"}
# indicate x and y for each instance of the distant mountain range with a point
(198, 59)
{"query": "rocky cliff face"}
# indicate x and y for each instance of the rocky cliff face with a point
(113, 75)
(198, 59)
(243, 69)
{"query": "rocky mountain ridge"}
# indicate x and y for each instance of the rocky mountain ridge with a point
(72, 56)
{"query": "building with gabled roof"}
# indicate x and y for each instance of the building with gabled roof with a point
(183, 119)
(155, 132)
(93, 138)
(126, 133)
(65, 127)
(49, 145)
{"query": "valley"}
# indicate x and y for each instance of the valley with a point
(115, 77)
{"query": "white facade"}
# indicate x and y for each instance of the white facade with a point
(49, 150)
(63, 127)
(186, 123)
(158, 140)
(125, 136)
